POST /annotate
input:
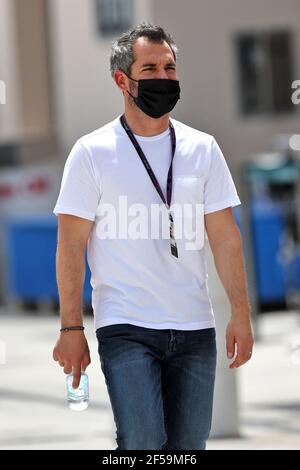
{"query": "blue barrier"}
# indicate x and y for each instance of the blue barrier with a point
(31, 250)
(268, 228)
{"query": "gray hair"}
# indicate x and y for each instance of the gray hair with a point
(122, 57)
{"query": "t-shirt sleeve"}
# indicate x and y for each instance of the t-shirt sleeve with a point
(80, 192)
(220, 191)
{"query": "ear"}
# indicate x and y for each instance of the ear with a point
(121, 80)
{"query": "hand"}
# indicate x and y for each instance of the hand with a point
(239, 340)
(72, 353)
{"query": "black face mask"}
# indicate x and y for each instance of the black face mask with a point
(156, 96)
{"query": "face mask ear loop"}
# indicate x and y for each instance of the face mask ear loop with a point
(134, 81)
(129, 77)
(130, 94)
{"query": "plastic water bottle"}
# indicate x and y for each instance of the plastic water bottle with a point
(78, 398)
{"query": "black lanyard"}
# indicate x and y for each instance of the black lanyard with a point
(152, 175)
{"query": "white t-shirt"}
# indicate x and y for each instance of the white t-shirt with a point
(135, 278)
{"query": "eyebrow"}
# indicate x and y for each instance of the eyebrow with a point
(154, 65)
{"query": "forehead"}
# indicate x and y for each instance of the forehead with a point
(152, 51)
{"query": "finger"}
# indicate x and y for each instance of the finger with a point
(241, 358)
(76, 376)
(55, 356)
(230, 345)
(67, 369)
(85, 362)
(237, 363)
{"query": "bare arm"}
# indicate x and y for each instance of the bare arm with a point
(73, 233)
(226, 244)
(71, 349)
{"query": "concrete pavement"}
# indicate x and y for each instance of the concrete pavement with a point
(34, 412)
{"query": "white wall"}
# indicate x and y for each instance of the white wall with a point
(85, 96)
(23, 67)
(10, 126)
(33, 69)
(204, 30)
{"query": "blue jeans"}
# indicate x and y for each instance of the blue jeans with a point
(160, 385)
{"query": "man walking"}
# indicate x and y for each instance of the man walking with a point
(140, 193)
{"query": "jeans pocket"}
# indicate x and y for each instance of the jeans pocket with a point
(206, 338)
